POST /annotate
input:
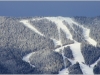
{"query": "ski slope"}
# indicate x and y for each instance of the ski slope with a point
(61, 26)
(59, 22)
(86, 33)
(76, 50)
(75, 47)
(27, 24)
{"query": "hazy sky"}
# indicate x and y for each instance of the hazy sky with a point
(50, 8)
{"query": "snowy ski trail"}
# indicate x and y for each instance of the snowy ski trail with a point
(61, 26)
(68, 35)
(86, 31)
(76, 47)
(27, 24)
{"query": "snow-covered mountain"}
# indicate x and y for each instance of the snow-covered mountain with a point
(50, 45)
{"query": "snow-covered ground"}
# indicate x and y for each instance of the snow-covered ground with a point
(26, 58)
(56, 42)
(78, 57)
(76, 50)
(60, 25)
(95, 63)
(75, 47)
(59, 22)
(27, 24)
(37, 19)
(86, 69)
(86, 33)
(64, 72)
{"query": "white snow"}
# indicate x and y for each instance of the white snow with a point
(34, 19)
(95, 63)
(64, 72)
(76, 50)
(59, 23)
(86, 33)
(58, 50)
(26, 58)
(64, 58)
(86, 69)
(27, 24)
(76, 47)
(31, 65)
(78, 57)
(72, 61)
(56, 42)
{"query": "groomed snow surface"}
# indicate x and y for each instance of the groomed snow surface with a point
(86, 33)
(59, 24)
(76, 47)
(27, 24)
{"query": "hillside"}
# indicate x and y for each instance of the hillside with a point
(49, 45)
